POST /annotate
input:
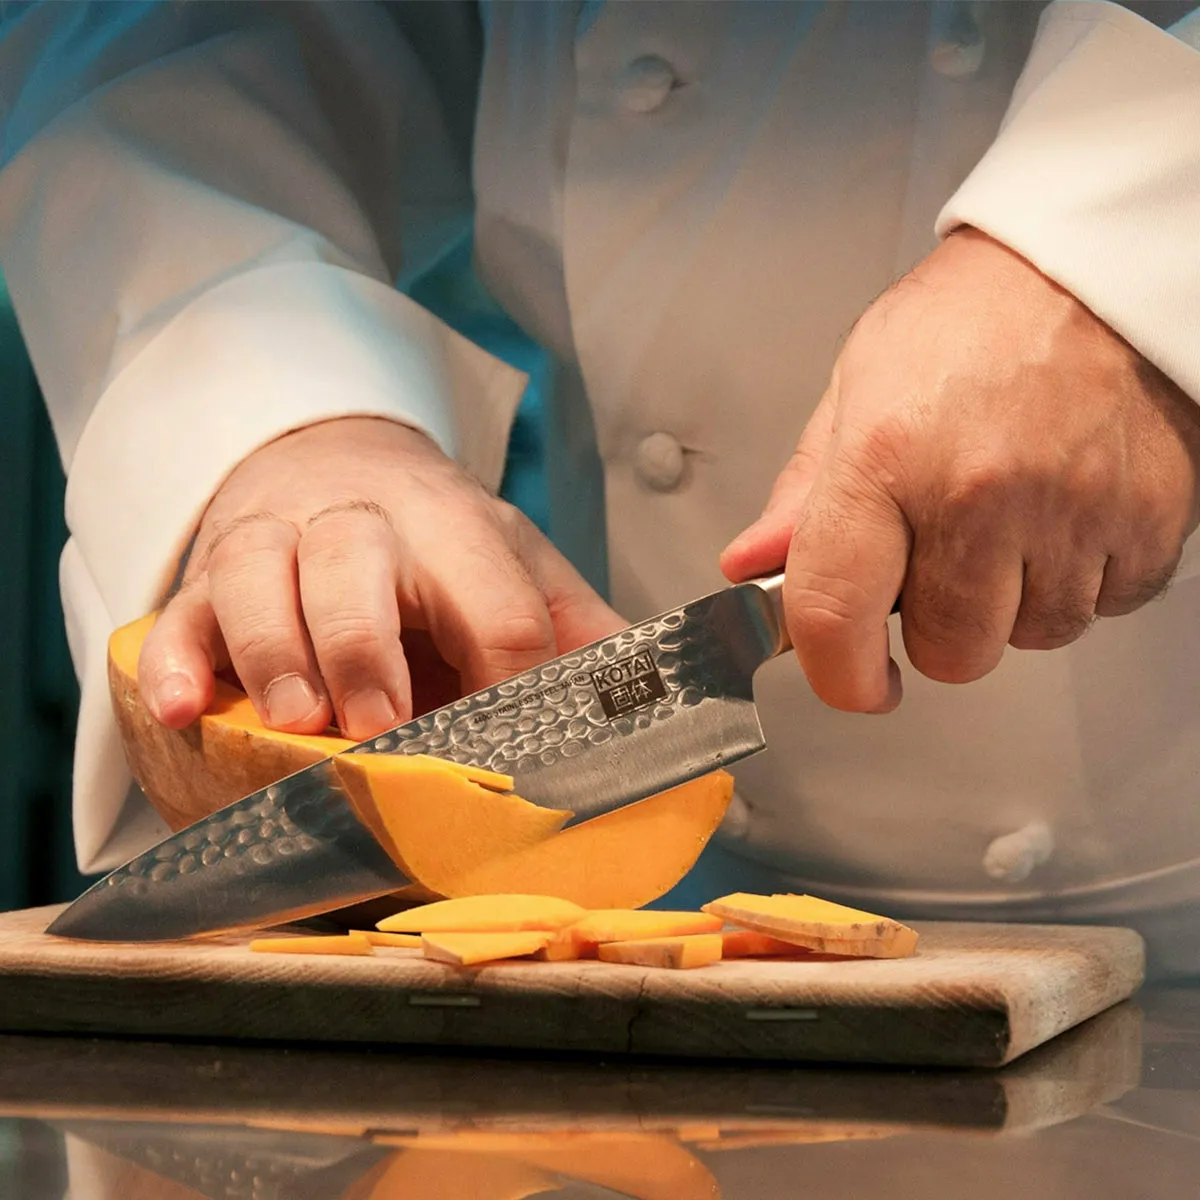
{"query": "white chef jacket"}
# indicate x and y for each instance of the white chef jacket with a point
(204, 209)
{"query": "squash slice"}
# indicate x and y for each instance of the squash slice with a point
(469, 949)
(676, 953)
(819, 925)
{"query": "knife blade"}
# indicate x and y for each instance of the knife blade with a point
(630, 715)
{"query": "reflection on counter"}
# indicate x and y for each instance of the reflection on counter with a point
(1110, 1111)
(136, 1121)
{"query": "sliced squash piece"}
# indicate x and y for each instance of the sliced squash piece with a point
(434, 822)
(901, 944)
(400, 941)
(348, 944)
(623, 859)
(625, 925)
(564, 948)
(486, 914)
(468, 949)
(675, 953)
(818, 925)
(619, 925)
(745, 943)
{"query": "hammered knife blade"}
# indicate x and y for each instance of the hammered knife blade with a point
(650, 707)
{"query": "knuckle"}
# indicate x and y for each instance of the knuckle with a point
(1118, 599)
(977, 490)
(949, 638)
(349, 635)
(1050, 627)
(258, 534)
(518, 632)
(822, 609)
(260, 649)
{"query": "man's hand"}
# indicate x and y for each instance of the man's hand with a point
(322, 549)
(992, 453)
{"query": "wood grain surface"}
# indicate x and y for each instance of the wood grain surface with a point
(973, 995)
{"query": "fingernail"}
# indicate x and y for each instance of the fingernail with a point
(895, 690)
(367, 712)
(289, 699)
(170, 691)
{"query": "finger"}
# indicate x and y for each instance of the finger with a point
(1058, 603)
(845, 568)
(349, 569)
(1126, 586)
(179, 657)
(488, 617)
(252, 580)
(577, 612)
(961, 597)
(763, 547)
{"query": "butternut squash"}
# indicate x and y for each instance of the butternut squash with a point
(745, 943)
(624, 859)
(226, 754)
(468, 949)
(349, 944)
(486, 914)
(676, 953)
(819, 925)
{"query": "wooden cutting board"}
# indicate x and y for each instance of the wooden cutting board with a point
(973, 995)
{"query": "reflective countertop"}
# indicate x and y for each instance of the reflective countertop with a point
(1108, 1110)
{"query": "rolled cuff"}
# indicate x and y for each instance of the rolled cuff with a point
(1095, 177)
(258, 356)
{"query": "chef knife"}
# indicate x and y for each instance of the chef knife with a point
(650, 707)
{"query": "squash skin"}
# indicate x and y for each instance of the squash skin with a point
(225, 755)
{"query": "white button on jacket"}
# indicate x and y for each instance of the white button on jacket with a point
(204, 209)
(645, 84)
(659, 462)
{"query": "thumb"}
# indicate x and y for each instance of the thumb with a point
(762, 547)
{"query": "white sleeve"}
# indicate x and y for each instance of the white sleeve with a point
(202, 209)
(1095, 175)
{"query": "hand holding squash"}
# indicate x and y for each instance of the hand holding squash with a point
(325, 548)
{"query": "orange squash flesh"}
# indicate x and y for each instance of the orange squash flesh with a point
(352, 944)
(623, 859)
(436, 823)
(469, 949)
(745, 943)
(677, 953)
(624, 925)
(621, 925)
(486, 914)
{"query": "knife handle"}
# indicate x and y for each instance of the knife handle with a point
(772, 587)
